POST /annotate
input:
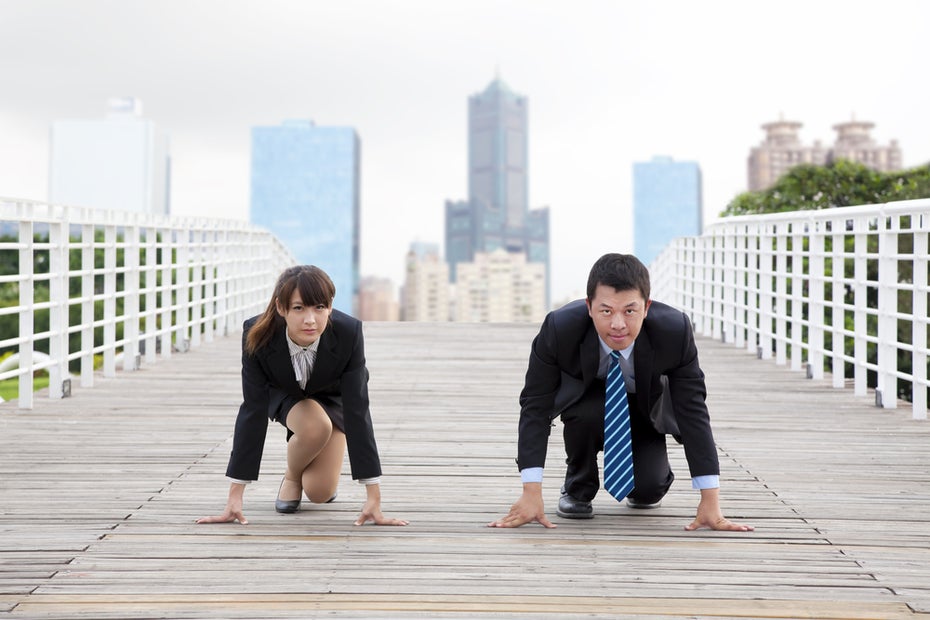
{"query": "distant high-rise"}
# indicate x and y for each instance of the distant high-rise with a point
(376, 300)
(305, 190)
(782, 150)
(496, 214)
(666, 204)
(425, 294)
(118, 162)
(500, 286)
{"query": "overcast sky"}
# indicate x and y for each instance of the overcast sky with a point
(609, 84)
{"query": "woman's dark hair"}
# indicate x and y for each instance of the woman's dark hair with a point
(315, 287)
(623, 272)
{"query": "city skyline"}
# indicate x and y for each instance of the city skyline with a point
(624, 82)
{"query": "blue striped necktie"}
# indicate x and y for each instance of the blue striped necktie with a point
(618, 447)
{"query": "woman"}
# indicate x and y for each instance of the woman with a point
(303, 364)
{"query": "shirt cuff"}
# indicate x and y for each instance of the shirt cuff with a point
(531, 474)
(237, 481)
(705, 482)
(368, 481)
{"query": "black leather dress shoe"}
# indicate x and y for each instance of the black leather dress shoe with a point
(632, 503)
(571, 508)
(286, 506)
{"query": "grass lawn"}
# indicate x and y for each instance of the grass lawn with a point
(9, 388)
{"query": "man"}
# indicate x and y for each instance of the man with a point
(569, 361)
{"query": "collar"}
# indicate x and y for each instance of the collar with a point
(293, 348)
(605, 350)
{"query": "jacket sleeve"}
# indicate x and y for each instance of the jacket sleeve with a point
(537, 400)
(688, 391)
(360, 435)
(252, 421)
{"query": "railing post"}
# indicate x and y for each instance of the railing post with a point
(921, 228)
(150, 270)
(815, 301)
(27, 314)
(781, 293)
(58, 312)
(166, 290)
(887, 383)
(131, 297)
(838, 301)
(182, 290)
(797, 296)
(861, 316)
(109, 300)
(766, 294)
(87, 305)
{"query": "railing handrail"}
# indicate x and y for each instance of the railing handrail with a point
(823, 287)
(167, 282)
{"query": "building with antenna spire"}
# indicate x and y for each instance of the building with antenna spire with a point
(497, 214)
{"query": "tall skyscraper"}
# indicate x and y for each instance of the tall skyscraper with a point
(782, 150)
(496, 214)
(305, 190)
(118, 162)
(666, 204)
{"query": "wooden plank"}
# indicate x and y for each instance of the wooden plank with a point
(98, 494)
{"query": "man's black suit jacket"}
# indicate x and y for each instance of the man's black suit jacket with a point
(670, 388)
(338, 372)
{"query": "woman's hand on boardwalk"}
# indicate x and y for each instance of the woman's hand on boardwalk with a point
(228, 516)
(371, 511)
(710, 516)
(526, 509)
(233, 510)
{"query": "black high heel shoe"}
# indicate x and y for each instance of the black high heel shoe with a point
(286, 506)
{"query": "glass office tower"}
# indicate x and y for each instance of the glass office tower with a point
(305, 190)
(666, 204)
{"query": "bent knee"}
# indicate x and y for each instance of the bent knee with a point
(308, 419)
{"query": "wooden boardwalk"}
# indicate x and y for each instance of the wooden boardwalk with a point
(99, 492)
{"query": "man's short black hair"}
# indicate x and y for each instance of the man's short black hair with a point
(622, 272)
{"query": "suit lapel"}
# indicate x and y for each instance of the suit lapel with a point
(326, 355)
(590, 354)
(279, 361)
(643, 363)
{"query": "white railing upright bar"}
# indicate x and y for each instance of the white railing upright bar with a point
(123, 288)
(841, 291)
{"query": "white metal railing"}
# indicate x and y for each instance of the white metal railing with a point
(844, 289)
(165, 283)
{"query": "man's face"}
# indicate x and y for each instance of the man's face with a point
(617, 315)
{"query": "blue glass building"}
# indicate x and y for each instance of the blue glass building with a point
(666, 204)
(496, 214)
(305, 190)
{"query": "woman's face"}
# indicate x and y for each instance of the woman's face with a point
(305, 324)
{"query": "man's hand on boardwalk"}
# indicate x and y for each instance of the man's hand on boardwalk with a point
(710, 516)
(526, 509)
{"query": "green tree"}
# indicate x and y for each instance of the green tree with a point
(840, 184)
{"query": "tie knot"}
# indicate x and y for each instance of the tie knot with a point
(615, 356)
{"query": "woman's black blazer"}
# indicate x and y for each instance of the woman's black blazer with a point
(339, 371)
